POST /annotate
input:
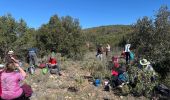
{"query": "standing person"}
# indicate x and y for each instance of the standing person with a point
(127, 52)
(100, 52)
(32, 55)
(107, 50)
(10, 83)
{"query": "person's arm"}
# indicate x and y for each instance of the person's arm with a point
(23, 73)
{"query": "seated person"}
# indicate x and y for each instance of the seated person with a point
(52, 64)
(10, 83)
(114, 77)
(146, 65)
(10, 57)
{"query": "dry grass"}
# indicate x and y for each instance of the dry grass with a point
(53, 87)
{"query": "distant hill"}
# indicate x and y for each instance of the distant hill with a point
(112, 34)
(109, 29)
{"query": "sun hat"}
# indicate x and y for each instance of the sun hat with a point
(144, 62)
(10, 52)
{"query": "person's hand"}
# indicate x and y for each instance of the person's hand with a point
(12, 58)
(16, 64)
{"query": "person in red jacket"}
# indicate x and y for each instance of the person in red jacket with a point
(53, 65)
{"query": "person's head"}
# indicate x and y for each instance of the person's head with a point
(52, 57)
(10, 67)
(10, 53)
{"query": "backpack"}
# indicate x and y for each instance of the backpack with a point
(131, 56)
(42, 65)
(123, 77)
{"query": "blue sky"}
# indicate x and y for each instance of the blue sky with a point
(91, 13)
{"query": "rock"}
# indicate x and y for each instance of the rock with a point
(66, 97)
(89, 94)
(121, 97)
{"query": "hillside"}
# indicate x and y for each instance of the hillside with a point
(109, 29)
(112, 34)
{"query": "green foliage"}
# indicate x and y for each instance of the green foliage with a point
(151, 40)
(112, 34)
(8, 35)
(62, 33)
(97, 68)
(144, 85)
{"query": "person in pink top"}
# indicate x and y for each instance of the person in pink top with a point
(10, 82)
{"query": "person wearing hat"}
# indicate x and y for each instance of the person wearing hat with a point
(147, 65)
(10, 57)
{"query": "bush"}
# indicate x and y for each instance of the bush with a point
(142, 81)
(97, 68)
(150, 40)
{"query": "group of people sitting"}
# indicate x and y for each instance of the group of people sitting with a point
(119, 72)
(51, 65)
(12, 75)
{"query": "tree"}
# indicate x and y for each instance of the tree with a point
(63, 33)
(151, 39)
(7, 34)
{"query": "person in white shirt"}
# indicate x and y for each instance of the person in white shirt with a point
(127, 52)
